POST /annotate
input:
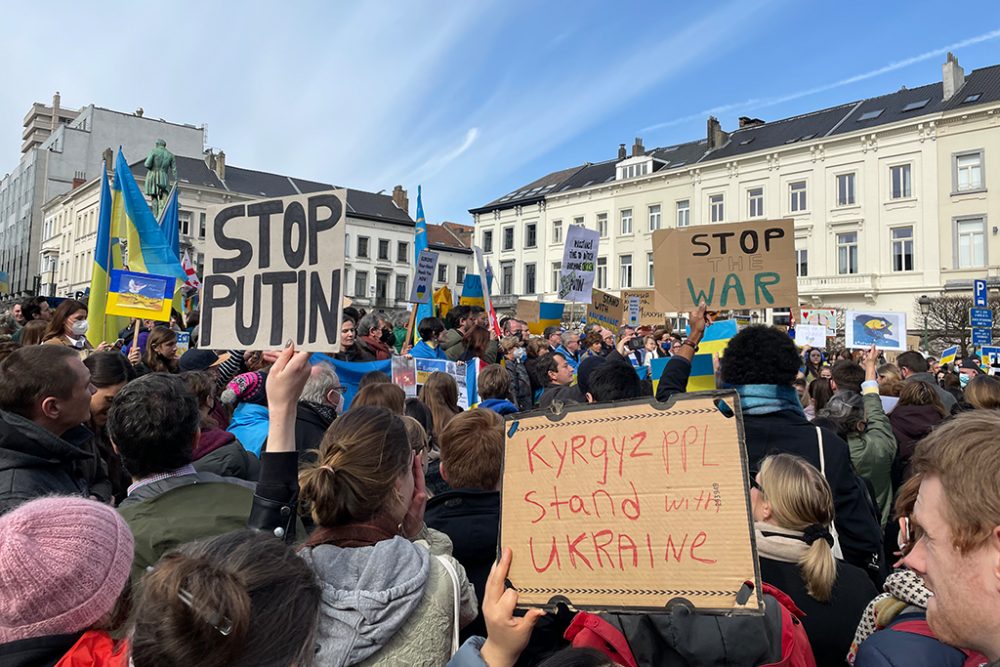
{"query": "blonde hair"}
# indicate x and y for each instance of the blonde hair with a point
(800, 497)
(440, 395)
(983, 392)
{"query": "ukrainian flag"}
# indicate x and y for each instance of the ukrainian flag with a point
(549, 315)
(472, 291)
(420, 243)
(170, 222)
(948, 355)
(712, 345)
(101, 327)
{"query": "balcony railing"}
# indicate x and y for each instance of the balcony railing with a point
(855, 282)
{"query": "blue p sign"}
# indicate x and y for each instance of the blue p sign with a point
(979, 292)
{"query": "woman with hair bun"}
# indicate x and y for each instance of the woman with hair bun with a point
(392, 592)
(793, 511)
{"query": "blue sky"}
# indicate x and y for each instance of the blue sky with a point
(470, 99)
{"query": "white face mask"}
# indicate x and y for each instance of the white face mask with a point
(81, 327)
(520, 353)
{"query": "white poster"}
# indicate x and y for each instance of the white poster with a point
(813, 335)
(423, 276)
(633, 311)
(576, 278)
(885, 329)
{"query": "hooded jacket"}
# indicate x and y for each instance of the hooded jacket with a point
(392, 603)
(910, 423)
(219, 452)
(501, 406)
(424, 351)
(35, 462)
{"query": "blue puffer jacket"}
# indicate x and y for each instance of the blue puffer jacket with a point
(501, 406)
(897, 648)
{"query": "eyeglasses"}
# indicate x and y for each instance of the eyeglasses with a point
(755, 485)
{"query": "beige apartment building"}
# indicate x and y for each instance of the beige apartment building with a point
(893, 197)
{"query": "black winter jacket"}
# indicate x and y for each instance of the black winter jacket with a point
(35, 463)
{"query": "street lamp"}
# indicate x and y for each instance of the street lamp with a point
(925, 308)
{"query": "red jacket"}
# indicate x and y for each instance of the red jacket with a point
(96, 648)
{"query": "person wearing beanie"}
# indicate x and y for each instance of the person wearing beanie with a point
(153, 424)
(64, 562)
(250, 418)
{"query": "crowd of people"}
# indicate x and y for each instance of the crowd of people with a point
(227, 507)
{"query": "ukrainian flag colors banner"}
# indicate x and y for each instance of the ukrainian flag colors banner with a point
(712, 345)
(140, 295)
(101, 328)
(170, 222)
(949, 354)
(472, 291)
(420, 243)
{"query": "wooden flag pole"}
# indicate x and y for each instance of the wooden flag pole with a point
(409, 328)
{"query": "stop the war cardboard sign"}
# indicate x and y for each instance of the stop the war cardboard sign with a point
(630, 506)
(274, 272)
(729, 267)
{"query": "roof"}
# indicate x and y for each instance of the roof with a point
(360, 204)
(982, 86)
(448, 237)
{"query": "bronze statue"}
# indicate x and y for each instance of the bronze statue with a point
(157, 179)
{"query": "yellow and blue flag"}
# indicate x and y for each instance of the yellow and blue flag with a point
(107, 256)
(140, 295)
(472, 291)
(949, 354)
(419, 244)
(170, 222)
(441, 300)
(549, 315)
(711, 347)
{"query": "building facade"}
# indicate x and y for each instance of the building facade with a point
(893, 197)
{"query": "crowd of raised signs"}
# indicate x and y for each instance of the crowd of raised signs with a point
(224, 508)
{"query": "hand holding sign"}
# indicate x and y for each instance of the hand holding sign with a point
(507, 635)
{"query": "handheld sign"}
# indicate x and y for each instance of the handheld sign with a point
(539, 314)
(648, 314)
(813, 335)
(140, 295)
(884, 329)
(606, 310)
(631, 505)
(824, 316)
(576, 277)
(633, 311)
(274, 271)
(423, 278)
(735, 266)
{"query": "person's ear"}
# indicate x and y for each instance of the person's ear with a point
(833, 384)
(443, 471)
(49, 408)
(765, 510)
(329, 396)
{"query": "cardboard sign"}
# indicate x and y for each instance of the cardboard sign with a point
(810, 334)
(633, 311)
(423, 277)
(826, 317)
(885, 329)
(539, 314)
(648, 313)
(404, 374)
(990, 357)
(606, 310)
(631, 505)
(274, 271)
(576, 277)
(729, 267)
(140, 295)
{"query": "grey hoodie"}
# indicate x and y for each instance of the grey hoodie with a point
(369, 593)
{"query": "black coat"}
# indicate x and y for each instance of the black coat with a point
(471, 518)
(830, 625)
(310, 426)
(35, 463)
(37, 651)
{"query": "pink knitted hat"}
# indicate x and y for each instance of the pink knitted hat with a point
(246, 388)
(63, 564)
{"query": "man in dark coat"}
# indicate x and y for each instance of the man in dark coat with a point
(44, 393)
(322, 399)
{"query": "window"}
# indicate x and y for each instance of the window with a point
(183, 221)
(626, 215)
(201, 225)
(507, 278)
(801, 262)
(755, 202)
(683, 213)
(508, 238)
(625, 271)
(649, 269)
(969, 171)
(602, 225)
(401, 293)
(347, 245)
(529, 279)
(602, 273)
(557, 231)
(361, 284)
(654, 217)
(578, 220)
(717, 204)
(363, 247)
(383, 249)
(442, 273)
(972, 98)
(459, 275)
(902, 248)
(530, 235)
(900, 187)
(970, 243)
(797, 196)
(919, 104)
(556, 269)
(845, 189)
(402, 251)
(488, 241)
(847, 253)
(870, 115)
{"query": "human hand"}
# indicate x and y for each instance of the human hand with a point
(103, 347)
(507, 635)
(697, 319)
(285, 380)
(134, 357)
(269, 357)
(871, 363)
(413, 522)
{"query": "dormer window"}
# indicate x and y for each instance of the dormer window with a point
(634, 167)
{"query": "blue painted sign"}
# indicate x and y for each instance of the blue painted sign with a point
(982, 337)
(979, 292)
(980, 317)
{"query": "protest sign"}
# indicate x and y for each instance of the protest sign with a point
(423, 276)
(884, 329)
(648, 314)
(633, 310)
(735, 266)
(605, 309)
(629, 506)
(539, 314)
(183, 343)
(140, 295)
(404, 374)
(274, 272)
(826, 317)
(576, 277)
(424, 368)
(812, 335)
(990, 357)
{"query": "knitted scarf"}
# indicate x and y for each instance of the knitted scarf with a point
(780, 544)
(764, 399)
(903, 588)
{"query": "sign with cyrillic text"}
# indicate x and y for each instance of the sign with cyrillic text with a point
(629, 506)
(274, 272)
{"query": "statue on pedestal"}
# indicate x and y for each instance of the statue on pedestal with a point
(159, 161)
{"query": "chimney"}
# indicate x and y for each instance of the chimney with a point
(220, 165)
(79, 178)
(747, 121)
(953, 76)
(716, 137)
(621, 152)
(210, 159)
(56, 99)
(637, 148)
(400, 199)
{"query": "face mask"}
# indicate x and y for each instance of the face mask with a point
(520, 353)
(665, 346)
(80, 327)
(963, 380)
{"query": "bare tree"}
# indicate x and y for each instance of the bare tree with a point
(948, 322)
